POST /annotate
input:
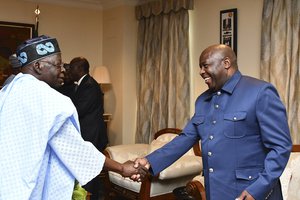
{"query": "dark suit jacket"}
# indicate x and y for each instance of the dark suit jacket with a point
(67, 90)
(88, 100)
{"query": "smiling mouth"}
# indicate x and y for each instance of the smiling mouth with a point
(207, 79)
(60, 80)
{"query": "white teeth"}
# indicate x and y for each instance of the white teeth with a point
(206, 79)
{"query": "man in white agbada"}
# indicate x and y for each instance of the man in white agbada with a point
(42, 151)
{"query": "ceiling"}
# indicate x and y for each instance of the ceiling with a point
(94, 4)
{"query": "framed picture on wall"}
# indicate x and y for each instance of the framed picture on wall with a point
(228, 28)
(11, 36)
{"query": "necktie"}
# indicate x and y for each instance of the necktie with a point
(76, 87)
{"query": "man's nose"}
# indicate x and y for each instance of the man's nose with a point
(62, 69)
(202, 71)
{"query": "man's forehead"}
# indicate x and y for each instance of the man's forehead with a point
(205, 56)
(53, 58)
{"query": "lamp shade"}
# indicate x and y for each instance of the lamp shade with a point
(101, 75)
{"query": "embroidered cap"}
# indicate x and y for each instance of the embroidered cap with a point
(37, 48)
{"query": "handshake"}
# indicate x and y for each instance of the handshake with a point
(135, 170)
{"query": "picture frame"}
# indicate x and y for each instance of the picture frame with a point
(228, 28)
(12, 34)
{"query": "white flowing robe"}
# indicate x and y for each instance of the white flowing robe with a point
(42, 151)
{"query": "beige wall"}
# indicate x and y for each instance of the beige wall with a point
(79, 31)
(119, 53)
(119, 50)
(204, 31)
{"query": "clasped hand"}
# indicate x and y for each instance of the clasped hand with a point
(137, 170)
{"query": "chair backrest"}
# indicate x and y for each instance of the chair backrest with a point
(164, 136)
(290, 178)
(167, 130)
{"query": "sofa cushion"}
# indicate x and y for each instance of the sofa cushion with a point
(290, 178)
(294, 184)
(285, 181)
(122, 153)
(158, 187)
(164, 139)
(184, 166)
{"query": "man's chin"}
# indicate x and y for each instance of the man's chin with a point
(209, 86)
(60, 81)
(57, 85)
(211, 89)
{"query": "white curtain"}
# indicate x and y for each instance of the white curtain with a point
(280, 55)
(163, 66)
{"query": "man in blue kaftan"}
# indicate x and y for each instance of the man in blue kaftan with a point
(243, 129)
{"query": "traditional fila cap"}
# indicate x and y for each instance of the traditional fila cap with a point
(37, 48)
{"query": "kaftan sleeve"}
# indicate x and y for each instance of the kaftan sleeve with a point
(80, 157)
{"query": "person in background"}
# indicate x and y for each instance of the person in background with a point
(16, 68)
(242, 125)
(68, 86)
(88, 100)
(43, 154)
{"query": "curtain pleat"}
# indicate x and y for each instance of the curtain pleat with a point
(280, 57)
(163, 73)
(162, 6)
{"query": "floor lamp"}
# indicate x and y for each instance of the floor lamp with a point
(101, 75)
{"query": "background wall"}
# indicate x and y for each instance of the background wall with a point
(205, 31)
(119, 54)
(78, 31)
(108, 37)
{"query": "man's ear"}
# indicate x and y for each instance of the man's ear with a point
(37, 68)
(227, 62)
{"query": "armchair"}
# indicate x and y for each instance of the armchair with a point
(290, 180)
(153, 187)
(195, 188)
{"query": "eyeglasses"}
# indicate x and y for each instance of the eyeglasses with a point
(59, 66)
